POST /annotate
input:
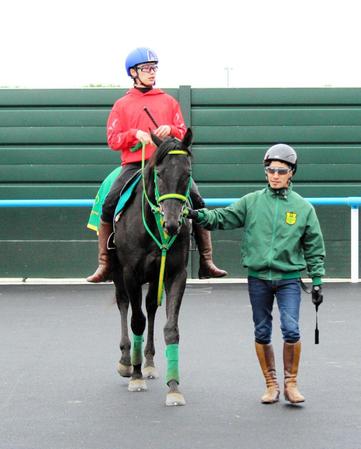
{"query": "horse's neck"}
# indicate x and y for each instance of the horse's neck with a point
(148, 185)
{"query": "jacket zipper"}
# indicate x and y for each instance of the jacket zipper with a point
(273, 236)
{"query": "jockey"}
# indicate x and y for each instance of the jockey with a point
(282, 237)
(127, 126)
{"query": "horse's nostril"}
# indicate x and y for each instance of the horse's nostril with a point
(171, 228)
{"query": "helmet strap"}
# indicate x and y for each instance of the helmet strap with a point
(139, 85)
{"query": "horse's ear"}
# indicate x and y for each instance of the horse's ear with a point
(187, 139)
(156, 139)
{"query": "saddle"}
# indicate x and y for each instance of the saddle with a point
(126, 194)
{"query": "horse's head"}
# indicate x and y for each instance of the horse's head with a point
(172, 177)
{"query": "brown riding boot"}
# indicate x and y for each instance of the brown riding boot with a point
(103, 272)
(207, 269)
(291, 360)
(267, 361)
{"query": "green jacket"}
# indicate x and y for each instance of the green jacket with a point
(282, 235)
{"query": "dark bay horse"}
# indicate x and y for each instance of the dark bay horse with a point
(139, 243)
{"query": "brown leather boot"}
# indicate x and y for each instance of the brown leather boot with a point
(103, 272)
(291, 360)
(267, 361)
(207, 269)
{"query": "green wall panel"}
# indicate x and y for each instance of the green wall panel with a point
(18, 191)
(52, 117)
(53, 134)
(254, 172)
(64, 97)
(40, 224)
(48, 259)
(307, 154)
(57, 155)
(270, 134)
(55, 173)
(276, 96)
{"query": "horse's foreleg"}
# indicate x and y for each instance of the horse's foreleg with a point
(124, 367)
(136, 382)
(175, 289)
(149, 369)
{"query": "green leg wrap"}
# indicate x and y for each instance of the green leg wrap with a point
(137, 349)
(171, 353)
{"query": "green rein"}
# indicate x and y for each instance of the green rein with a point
(165, 241)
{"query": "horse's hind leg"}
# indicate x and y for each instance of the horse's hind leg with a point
(149, 369)
(124, 367)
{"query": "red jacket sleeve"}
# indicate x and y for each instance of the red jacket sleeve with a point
(117, 137)
(178, 128)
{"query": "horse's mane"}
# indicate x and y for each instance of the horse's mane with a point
(167, 145)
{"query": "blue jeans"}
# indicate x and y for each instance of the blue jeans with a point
(262, 294)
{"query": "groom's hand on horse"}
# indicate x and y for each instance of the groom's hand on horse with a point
(192, 214)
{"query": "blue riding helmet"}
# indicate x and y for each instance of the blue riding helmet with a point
(140, 55)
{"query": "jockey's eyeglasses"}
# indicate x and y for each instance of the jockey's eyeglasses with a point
(147, 68)
(279, 170)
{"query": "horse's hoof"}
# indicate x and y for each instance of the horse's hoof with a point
(150, 372)
(137, 385)
(125, 370)
(174, 399)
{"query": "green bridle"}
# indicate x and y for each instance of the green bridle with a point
(165, 241)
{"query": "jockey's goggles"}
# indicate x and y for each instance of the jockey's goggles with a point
(148, 68)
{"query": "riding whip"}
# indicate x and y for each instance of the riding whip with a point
(139, 144)
(317, 332)
(317, 298)
(151, 117)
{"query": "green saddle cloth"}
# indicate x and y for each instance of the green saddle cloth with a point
(96, 212)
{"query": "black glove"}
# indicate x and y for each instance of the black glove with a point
(317, 296)
(192, 214)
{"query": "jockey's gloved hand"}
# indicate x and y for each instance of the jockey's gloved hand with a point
(317, 295)
(192, 214)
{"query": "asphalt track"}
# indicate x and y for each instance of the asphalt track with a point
(59, 388)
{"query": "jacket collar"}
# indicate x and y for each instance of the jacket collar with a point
(138, 93)
(281, 193)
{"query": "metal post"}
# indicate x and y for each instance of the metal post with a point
(228, 69)
(354, 244)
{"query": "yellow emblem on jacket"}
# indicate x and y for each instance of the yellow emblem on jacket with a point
(291, 218)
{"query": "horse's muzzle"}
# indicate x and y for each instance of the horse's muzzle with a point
(172, 215)
(172, 227)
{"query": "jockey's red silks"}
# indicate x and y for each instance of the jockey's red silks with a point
(128, 116)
